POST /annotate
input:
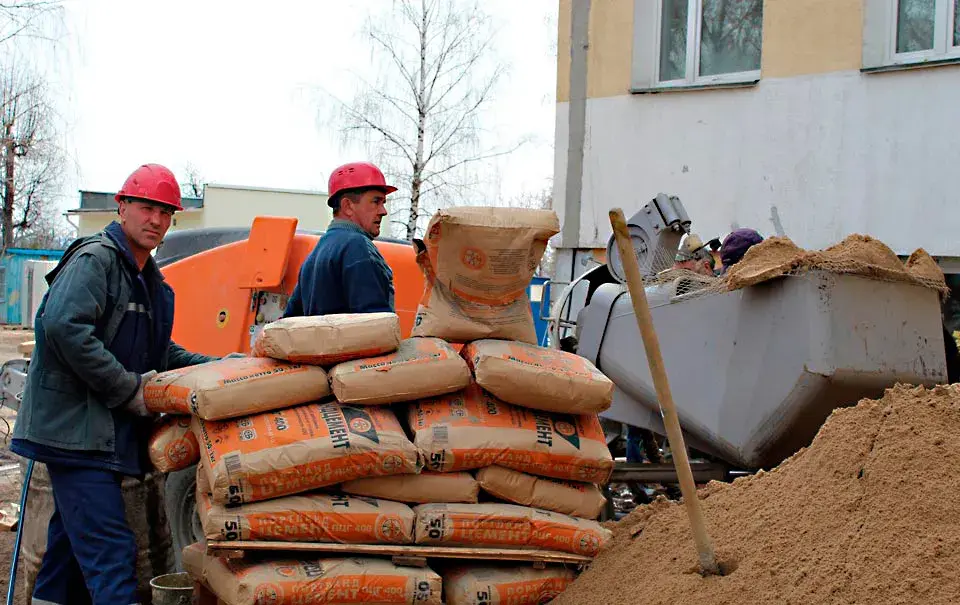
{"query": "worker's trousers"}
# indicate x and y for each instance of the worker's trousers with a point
(91, 551)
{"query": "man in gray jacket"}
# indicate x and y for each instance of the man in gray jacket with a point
(102, 330)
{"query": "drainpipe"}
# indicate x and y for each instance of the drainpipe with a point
(565, 269)
(577, 118)
(76, 228)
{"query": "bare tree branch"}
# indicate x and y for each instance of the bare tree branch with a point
(32, 160)
(421, 119)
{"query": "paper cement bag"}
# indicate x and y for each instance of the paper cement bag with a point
(421, 367)
(192, 557)
(420, 488)
(324, 340)
(539, 378)
(228, 388)
(299, 449)
(173, 446)
(505, 585)
(507, 525)
(478, 263)
(203, 483)
(316, 581)
(312, 518)
(473, 429)
(576, 499)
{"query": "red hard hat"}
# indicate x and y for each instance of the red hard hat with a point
(356, 175)
(152, 182)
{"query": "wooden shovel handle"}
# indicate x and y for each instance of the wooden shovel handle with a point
(631, 269)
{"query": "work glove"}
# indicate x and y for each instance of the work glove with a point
(137, 406)
(234, 356)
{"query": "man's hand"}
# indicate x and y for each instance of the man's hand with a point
(234, 356)
(137, 406)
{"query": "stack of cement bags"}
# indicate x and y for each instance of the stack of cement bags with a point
(493, 441)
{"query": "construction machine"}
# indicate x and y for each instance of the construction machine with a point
(754, 372)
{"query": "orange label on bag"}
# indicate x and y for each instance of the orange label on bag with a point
(531, 592)
(507, 525)
(301, 448)
(494, 585)
(312, 518)
(316, 581)
(173, 446)
(472, 429)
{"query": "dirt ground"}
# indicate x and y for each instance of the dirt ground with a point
(9, 478)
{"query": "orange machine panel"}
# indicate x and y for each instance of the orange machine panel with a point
(267, 252)
(214, 314)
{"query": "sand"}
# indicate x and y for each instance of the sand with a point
(856, 254)
(868, 514)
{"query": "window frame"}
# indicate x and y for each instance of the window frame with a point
(691, 76)
(881, 20)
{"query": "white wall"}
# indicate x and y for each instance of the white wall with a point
(235, 207)
(835, 153)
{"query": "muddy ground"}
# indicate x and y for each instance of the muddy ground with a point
(9, 478)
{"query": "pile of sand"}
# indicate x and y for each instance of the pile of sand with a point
(857, 255)
(868, 514)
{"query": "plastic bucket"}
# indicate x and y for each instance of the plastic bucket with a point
(172, 589)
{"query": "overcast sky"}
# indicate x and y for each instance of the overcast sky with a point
(233, 87)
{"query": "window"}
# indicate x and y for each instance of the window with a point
(703, 42)
(908, 32)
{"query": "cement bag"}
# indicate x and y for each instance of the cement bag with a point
(299, 449)
(421, 367)
(316, 581)
(192, 557)
(507, 526)
(421, 488)
(473, 429)
(312, 518)
(229, 388)
(539, 378)
(505, 585)
(173, 446)
(478, 263)
(203, 484)
(328, 339)
(568, 497)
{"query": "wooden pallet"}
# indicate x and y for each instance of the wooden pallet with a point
(407, 555)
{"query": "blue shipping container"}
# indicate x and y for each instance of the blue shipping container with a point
(11, 279)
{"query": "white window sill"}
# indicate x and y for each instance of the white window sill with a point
(913, 64)
(697, 86)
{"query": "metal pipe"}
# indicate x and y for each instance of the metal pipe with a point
(12, 581)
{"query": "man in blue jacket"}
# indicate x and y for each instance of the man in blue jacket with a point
(346, 273)
(102, 330)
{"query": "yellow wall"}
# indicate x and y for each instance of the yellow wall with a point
(811, 36)
(91, 222)
(234, 207)
(610, 53)
(188, 219)
(799, 37)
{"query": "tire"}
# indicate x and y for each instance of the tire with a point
(181, 504)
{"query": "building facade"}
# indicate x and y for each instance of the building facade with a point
(220, 206)
(813, 119)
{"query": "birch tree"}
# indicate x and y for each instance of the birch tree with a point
(422, 117)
